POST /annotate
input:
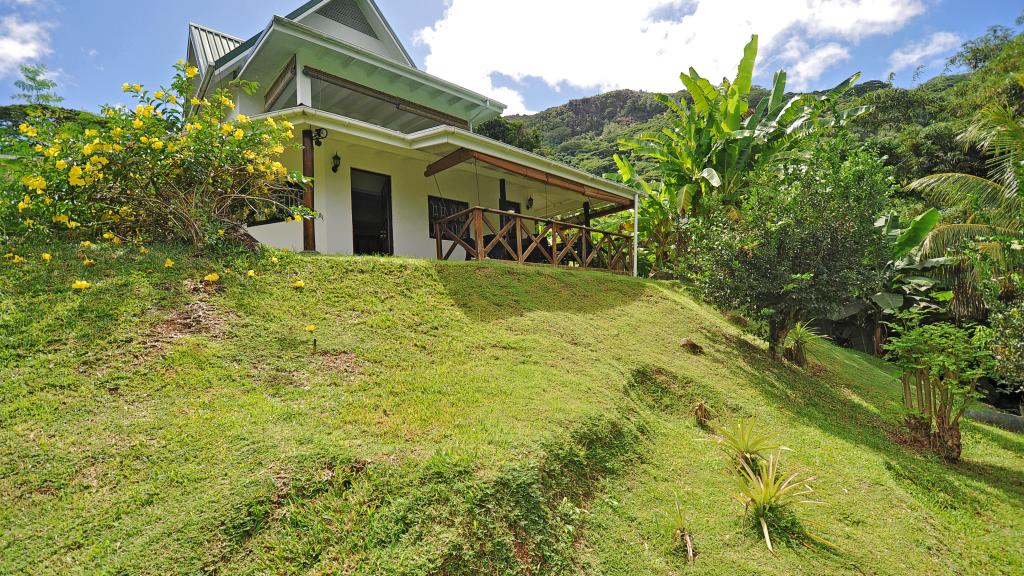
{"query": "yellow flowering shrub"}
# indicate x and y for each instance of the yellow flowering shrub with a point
(171, 166)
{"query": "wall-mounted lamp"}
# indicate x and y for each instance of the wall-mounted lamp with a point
(336, 163)
(529, 203)
(318, 136)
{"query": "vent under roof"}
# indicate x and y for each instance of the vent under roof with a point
(348, 13)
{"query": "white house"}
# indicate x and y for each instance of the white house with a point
(393, 153)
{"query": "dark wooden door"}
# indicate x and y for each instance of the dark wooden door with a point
(372, 228)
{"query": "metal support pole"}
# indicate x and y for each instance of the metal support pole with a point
(636, 234)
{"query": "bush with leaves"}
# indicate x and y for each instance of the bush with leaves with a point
(940, 364)
(173, 167)
(804, 243)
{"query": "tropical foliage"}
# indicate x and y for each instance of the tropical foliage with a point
(171, 167)
(941, 364)
(712, 146)
(804, 244)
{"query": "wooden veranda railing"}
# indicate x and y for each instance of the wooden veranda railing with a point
(487, 234)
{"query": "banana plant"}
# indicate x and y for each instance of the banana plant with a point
(715, 142)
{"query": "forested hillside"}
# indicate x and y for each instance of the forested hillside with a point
(915, 128)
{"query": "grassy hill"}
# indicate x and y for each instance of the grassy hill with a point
(455, 418)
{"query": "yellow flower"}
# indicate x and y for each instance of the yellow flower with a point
(271, 123)
(47, 257)
(212, 277)
(172, 99)
(86, 244)
(157, 145)
(220, 233)
(37, 183)
(137, 88)
(137, 123)
(159, 95)
(88, 262)
(80, 285)
(108, 235)
(18, 259)
(143, 250)
(251, 273)
(168, 263)
(274, 260)
(61, 165)
(299, 285)
(90, 133)
(28, 130)
(75, 176)
(243, 119)
(239, 134)
(191, 72)
(39, 148)
(196, 101)
(23, 205)
(311, 328)
(126, 87)
(287, 125)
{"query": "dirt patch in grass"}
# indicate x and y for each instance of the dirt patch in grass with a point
(196, 318)
(345, 363)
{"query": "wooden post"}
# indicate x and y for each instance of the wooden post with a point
(554, 244)
(308, 229)
(440, 245)
(478, 225)
(519, 239)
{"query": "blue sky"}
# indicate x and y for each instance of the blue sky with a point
(530, 54)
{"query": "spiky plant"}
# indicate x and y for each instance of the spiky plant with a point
(799, 338)
(746, 444)
(767, 495)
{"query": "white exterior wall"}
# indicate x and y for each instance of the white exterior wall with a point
(409, 192)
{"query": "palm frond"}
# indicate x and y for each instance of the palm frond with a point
(949, 238)
(1001, 206)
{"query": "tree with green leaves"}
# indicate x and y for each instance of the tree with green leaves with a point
(804, 242)
(37, 86)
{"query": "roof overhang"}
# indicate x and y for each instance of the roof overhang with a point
(443, 141)
(284, 37)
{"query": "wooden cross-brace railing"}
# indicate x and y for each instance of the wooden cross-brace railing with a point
(488, 234)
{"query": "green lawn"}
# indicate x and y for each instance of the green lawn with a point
(455, 419)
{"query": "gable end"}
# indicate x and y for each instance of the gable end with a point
(347, 13)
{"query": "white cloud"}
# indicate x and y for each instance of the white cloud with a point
(644, 44)
(917, 53)
(21, 42)
(805, 63)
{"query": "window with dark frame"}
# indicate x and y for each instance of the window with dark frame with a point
(440, 208)
(288, 198)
